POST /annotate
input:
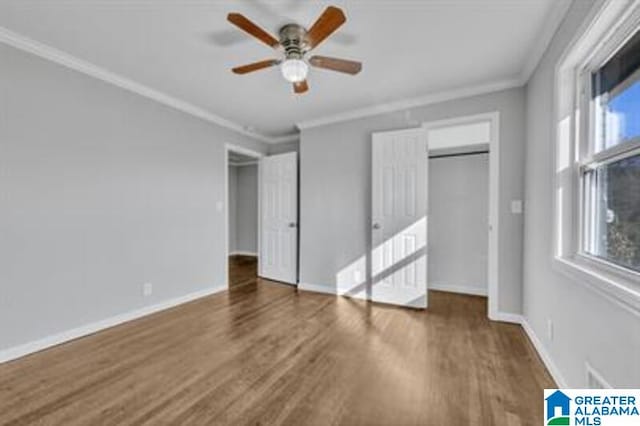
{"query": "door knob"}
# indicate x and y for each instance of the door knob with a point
(376, 226)
(292, 224)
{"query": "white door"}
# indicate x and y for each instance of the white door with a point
(279, 217)
(399, 218)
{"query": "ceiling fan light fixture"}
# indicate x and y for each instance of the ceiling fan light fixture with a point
(294, 42)
(294, 70)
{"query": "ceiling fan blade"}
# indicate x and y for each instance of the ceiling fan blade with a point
(300, 87)
(255, 66)
(330, 20)
(245, 24)
(336, 64)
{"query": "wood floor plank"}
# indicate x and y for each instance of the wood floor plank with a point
(265, 353)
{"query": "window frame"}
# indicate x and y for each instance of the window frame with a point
(604, 33)
(589, 138)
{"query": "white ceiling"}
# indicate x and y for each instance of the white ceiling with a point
(185, 49)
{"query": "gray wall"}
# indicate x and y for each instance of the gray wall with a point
(101, 190)
(335, 163)
(459, 223)
(233, 208)
(247, 209)
(587, 327)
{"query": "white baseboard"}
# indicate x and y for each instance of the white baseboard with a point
(544, 355)
(340, 292)
(331, 290)
(506, 317)
(317, 288)
(463, 289)
(65, 336)
(243, 253)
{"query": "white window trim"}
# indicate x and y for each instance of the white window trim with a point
(604, 28)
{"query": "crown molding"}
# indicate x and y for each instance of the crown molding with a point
(293, 137)
(552, 22)
(403, 104)
(60, 57)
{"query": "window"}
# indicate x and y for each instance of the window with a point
(611, 166)
(613, 212)
(616, 95)
(597, 155)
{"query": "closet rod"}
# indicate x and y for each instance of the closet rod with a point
(461, 154)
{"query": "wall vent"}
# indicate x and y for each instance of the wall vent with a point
(595, 379)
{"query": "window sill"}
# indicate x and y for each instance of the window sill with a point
(624, 292)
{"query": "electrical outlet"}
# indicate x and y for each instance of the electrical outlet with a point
(357, 276)
(147, 289)
(550, 330)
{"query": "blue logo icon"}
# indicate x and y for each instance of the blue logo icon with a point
(558, 409)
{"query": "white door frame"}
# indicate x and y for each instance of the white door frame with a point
(251, 153)
(493, 278)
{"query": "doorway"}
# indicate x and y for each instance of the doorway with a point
(463, 206)
(243, 225)
(459, 221)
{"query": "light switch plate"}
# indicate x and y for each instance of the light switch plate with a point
(516, 206)
(219, 206)
(147, 289)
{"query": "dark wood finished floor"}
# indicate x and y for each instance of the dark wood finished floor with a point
(242, 270)
(264, 353)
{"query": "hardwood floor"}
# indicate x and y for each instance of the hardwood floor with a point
(264, 353)
(242, 270)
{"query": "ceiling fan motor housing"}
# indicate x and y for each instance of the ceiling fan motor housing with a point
(293, 39)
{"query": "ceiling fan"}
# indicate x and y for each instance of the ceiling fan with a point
(297, 42)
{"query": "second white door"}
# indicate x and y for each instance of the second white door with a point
(399, 218)
(279, 217)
